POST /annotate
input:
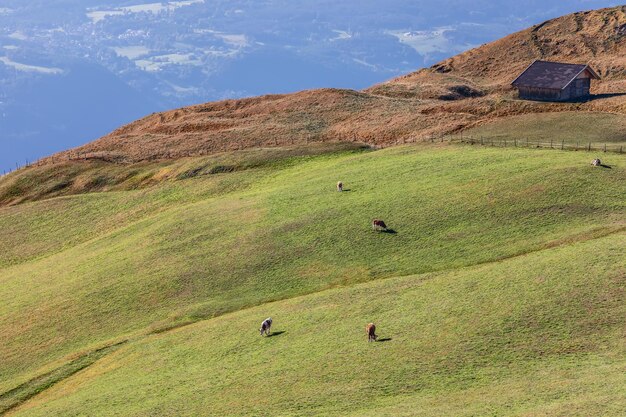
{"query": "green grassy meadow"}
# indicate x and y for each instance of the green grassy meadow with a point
(502, 288)
(532, 335)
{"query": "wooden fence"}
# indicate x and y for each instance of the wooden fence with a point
(501, 142)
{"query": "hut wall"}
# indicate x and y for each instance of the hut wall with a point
(534, 93)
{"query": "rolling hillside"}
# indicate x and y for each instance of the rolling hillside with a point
(134, 271)
(531, 336)
(125, 266)
(464, 91)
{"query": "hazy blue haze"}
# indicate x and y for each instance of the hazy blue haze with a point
(73, 70)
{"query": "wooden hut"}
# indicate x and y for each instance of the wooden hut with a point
(555, 81)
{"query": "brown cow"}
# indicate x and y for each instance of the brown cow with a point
(370, 329)
(596, 162)
(340, 186)
(379, 225)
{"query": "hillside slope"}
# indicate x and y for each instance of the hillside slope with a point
(135, 270)
(117, 267)
(462, 91)
(531, 336)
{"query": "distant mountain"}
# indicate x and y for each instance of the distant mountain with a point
(118, 60)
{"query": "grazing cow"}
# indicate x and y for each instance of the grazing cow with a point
(596, 162)
(266, 326)
(340, 186)
(370, 329)
(378, 225)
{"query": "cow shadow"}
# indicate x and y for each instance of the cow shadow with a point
(276, 333)
(346, 190)
(384, 339)
(390, 231)
(606, 166)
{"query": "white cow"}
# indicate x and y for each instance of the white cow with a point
(266, 326)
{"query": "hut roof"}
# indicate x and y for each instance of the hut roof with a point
(554, 75)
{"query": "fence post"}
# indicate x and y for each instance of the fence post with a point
(589, 147)
(505, 142)
(550, 143)
(515, 141)
(527, 144)
(605, 148)
(562, 143)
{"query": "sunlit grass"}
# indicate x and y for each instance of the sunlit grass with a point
(533, 335)
(81, 272)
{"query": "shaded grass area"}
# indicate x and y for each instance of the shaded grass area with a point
(144, 261)
(44, 232)
(583, 128)
(93, 175)
(27, 390)
(541, 334)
